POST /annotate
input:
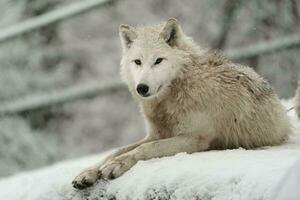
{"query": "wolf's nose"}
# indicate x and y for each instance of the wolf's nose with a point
(142, 89)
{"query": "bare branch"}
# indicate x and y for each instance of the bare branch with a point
(263, 48)
(49, 18)
(38, 101)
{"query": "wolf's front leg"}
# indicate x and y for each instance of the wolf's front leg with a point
(90, 175)
(159, 148)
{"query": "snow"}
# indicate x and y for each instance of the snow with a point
(288, 188)
(219, 175)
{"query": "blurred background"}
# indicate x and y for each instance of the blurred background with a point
(61, 95)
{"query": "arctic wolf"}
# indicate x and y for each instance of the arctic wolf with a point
(192, 100)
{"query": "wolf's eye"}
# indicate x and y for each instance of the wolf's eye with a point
(137, 62)
(158, 60)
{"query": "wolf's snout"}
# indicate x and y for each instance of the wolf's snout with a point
(142, 89)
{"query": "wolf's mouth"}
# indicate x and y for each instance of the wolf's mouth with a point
(159, 88)
(146, 95)
(149, 95)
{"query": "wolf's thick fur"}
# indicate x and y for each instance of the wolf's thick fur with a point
(197, 100)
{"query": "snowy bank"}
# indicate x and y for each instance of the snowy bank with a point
(219, 175)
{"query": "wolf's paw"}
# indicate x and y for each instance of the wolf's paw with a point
(117, 166)
(86, 179)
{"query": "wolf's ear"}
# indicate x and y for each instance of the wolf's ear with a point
(171, 32)
(127, 35)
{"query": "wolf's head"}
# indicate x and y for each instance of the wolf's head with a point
(153, 56)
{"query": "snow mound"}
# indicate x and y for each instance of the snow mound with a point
(220, 175)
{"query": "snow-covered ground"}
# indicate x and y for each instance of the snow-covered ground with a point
(219, 175)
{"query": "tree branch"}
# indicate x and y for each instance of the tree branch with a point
(263, 48)
(49, 18)
(38, 101)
